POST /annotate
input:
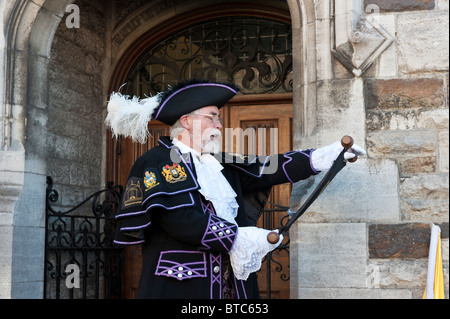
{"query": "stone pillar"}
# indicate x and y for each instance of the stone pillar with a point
(30, 27)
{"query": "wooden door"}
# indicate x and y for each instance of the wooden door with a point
(259, 113)
(266, 123)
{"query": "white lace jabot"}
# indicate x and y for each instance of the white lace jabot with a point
(213, 185)
(251, 244)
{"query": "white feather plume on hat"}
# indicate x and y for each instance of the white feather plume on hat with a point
(130, 116)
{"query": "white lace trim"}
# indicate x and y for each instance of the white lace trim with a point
(248, 251)
(215, 187)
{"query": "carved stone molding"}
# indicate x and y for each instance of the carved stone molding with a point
(359, 40)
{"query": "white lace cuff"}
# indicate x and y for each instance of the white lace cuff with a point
(249, 248)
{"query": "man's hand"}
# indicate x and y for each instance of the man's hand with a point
(324, 157)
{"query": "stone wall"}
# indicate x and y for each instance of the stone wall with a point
(408, 122)
(75, 118)
(368, 235)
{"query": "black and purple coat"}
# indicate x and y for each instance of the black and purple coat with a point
(185, 244)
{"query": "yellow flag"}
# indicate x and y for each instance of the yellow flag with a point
(435, 275)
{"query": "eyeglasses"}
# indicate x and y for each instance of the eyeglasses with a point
(214, 118)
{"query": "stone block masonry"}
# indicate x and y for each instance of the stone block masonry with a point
(410, 240)
(402, 186)
(401, 5)
(75, 129)
(407, 121)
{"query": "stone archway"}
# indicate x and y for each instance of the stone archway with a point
(131, 35)
(30, 30)
(304, 42)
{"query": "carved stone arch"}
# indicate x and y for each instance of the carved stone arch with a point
(136, 33)
(134, 37)
(150, 31)
(303, 17)
(29, 34)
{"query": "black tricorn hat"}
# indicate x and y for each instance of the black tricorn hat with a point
(187, 97)
(129, 117)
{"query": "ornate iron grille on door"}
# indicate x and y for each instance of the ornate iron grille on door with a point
(81, 261)
(254, 53)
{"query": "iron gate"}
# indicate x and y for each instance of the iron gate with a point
(81, 261)
(269, 222)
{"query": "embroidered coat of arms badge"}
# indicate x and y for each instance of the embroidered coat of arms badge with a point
(174, 173)
(150, 180)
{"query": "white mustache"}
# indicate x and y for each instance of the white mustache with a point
(211, 146)
(216, 133)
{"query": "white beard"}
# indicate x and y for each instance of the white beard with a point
(211, 145)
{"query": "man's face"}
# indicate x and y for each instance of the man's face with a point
(205, 131)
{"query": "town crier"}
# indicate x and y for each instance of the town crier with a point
(193, 208)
